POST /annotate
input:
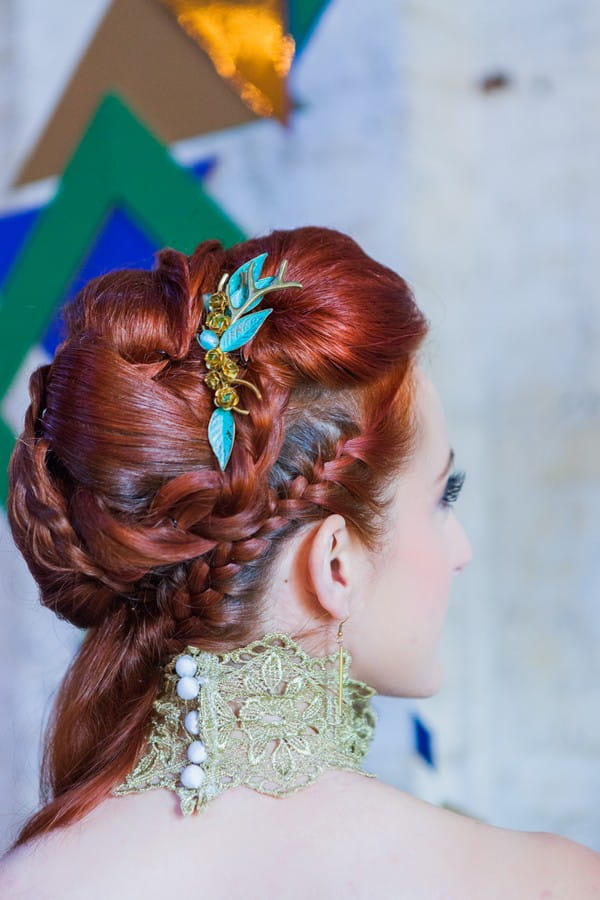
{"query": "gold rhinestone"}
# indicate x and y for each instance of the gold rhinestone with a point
(213, 380)
(218, 301)
(226, 398)
(214, 358)
(218, 322)
(229, 368)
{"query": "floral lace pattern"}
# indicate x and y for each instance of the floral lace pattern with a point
(265, 716)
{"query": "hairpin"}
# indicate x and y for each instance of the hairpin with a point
(228, 327)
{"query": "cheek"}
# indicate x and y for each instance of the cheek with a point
(420, 565)
(406, 619)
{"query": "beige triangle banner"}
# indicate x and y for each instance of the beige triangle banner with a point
(141, 52)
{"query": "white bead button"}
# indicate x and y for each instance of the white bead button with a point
(192, 776)
(191, 722)
(186, 665)
(196, 752)
(188, 687)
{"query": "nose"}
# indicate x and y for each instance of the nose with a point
(463, 551)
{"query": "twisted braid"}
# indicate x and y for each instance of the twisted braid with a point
(41, 524)
(234, 569)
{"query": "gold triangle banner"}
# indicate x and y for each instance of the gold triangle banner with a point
(248, 46)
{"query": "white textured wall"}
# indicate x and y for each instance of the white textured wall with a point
(542, 141)
(503, 246)
(486, 201)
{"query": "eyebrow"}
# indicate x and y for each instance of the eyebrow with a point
(448, 466)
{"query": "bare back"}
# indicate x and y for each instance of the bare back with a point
(341, 836)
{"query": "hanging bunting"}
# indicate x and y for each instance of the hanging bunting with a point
(248, 45)
(121, 181)
(182, 97)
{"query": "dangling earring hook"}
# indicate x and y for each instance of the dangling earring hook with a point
(339, 639)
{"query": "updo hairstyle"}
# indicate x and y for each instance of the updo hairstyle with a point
(118, 505)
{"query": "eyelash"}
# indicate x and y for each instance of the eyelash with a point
(453, 489)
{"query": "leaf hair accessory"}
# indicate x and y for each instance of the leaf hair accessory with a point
(228, 327)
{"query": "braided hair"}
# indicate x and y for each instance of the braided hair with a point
(126, 523)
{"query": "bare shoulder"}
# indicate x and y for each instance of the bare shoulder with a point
(379, 840)
(27, 871)
(116, 850)
(16, 874)
(544, 865)
(472, 858)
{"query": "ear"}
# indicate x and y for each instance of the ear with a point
(330, 566)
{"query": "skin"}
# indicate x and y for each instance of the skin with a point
(394, 602)
(343, 835)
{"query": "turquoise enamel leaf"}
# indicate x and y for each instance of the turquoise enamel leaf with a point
(261, 287)
(243, 330)
(238, 297)
(265, 282)
(237, 287)
(221, 432)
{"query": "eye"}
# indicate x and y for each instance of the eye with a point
(453, 489)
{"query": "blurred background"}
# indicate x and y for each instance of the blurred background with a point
(458, 143)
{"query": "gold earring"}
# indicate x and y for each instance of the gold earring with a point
(340, 666)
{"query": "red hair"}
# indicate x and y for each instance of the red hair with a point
(119, 508)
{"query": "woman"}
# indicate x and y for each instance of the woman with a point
(237, 478)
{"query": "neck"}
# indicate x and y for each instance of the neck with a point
(266, 716)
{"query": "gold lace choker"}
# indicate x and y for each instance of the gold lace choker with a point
(265, 715)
